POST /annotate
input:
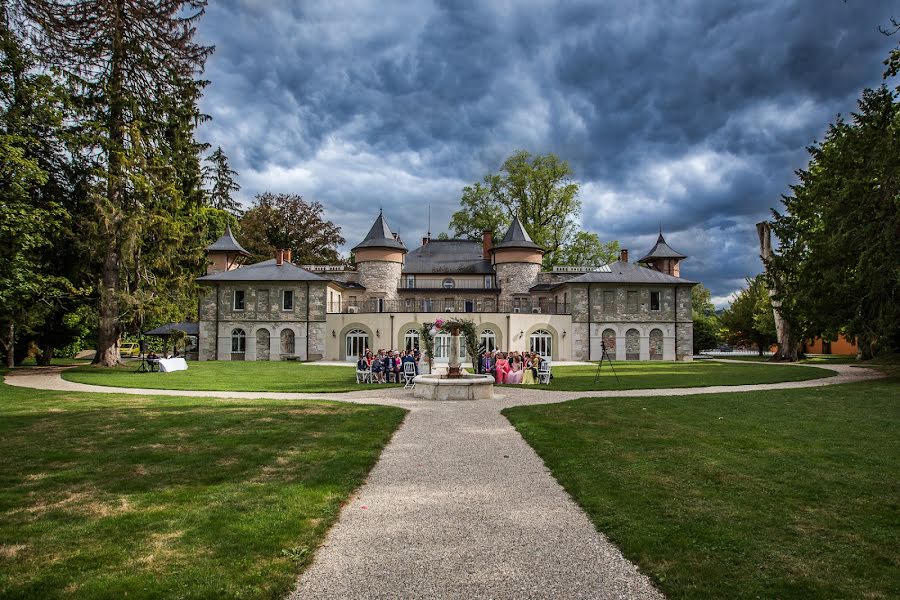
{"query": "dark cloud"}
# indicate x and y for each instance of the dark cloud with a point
(686, 114)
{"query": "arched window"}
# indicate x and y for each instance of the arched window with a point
(357, 342)
(542, 342)
(238, 341)
(632, 345)
(488, 340)
(411, 339)
(262, 344)
(287, 341)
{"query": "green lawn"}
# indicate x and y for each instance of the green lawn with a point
(642, 375)
(778, 494)
(262, 376)
(105, 496)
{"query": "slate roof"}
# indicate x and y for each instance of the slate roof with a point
(662, 250)
(380, 236)
(266, 270)
(623, 272)
(448, 256)
(167, 329)
(517, 237)
(348, 285)
(227, 243)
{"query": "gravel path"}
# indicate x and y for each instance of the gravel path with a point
(459, 506)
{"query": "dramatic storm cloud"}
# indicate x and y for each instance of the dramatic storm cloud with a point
(682, 114)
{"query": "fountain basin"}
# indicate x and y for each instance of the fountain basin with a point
(467, 387)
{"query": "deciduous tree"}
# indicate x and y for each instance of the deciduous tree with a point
(287, 221)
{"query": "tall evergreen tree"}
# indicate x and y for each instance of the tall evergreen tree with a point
(837, 266)
(122, 58)
(34, 187)
(221, 184)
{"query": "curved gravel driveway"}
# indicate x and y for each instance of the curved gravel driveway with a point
(459, 506)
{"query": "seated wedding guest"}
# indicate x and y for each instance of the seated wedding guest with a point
(487, 364)
(369, 357)
(378, 369)
(396, 366)
(515, 371)
(362, 364)
(502, 368)
(530, 367)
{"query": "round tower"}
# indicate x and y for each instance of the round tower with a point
(517, 262)
(379, 262)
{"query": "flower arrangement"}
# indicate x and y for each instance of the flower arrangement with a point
(464, 326)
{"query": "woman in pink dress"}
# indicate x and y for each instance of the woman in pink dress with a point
(502, 369)
(515, 371)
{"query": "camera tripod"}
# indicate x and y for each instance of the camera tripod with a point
(605, 355)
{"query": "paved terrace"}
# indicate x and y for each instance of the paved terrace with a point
(459, 506)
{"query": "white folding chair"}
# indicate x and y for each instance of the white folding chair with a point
(363, 376)
(544, 373)
(409, 373)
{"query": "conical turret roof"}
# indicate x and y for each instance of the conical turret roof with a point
(662, 250)
(380, 236)
(517, 237)
(227, 243)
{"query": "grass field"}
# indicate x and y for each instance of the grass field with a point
(293, 377)
(643, 375)
(778, 494)
(125, 496)
(262, 376)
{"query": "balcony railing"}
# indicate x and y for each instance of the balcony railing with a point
(449, 307)
(447, 283)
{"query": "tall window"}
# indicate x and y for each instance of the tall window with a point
(442, 346)
(488, 282)
(427, 304)
(357, 342)
(609, 301)
(410, 281)
(287, 300)
(542, 342)
(631, 301)
(488, 340)
(409, 305)
(654, 300)
(238, 341)
(238, 299)
(411, 339)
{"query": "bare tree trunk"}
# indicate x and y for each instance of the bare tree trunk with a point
(787, 344)
(108, 330)
(10, 345)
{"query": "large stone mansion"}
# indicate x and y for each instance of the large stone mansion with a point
(275, 309)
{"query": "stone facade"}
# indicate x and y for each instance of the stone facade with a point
(380, 278)
(286, 332)
(515, 279)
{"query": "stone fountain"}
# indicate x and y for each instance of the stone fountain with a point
(455, 385)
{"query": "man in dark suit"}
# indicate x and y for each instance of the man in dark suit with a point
(488, 364)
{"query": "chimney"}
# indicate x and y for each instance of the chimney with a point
(487, 241)
(279, 257)
(287, 255)
(425, 241)
(623, 255)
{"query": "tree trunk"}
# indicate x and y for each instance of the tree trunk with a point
(108, 330)
(46, 356)
(787, 344)
(11, 345)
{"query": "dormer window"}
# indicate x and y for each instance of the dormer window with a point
(448, 284)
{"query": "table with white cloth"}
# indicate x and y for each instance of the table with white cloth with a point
(167, 365)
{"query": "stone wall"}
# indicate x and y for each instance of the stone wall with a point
(684, 336)
(380, 278)
(515, 278)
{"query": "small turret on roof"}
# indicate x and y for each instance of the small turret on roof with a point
(380, 236)
(225, 254)
(662, 250)
(227, 243)
(517, 237)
